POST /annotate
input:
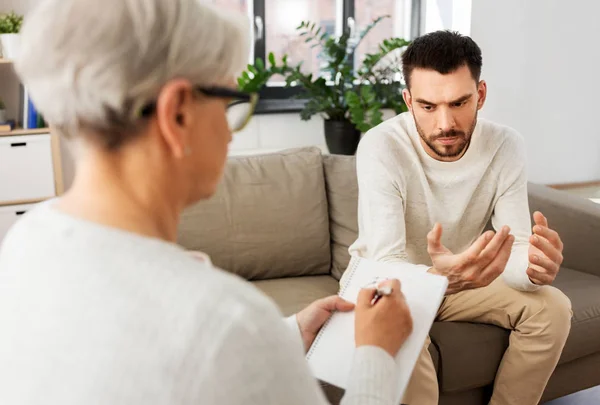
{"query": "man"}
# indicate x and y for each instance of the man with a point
(438, 167)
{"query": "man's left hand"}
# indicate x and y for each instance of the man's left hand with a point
(545, 252)
(311, 319)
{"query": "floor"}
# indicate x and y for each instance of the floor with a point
(592, 395)
(586, 397)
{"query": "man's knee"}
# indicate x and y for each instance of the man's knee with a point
(554, 313)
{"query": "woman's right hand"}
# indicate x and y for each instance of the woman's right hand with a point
(385, 324)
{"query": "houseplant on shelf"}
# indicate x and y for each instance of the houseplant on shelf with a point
(10, 26)
(350, 100)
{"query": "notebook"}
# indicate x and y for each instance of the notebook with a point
(331, 354)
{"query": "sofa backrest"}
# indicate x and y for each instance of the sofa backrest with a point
(342, 195)
(268, 219)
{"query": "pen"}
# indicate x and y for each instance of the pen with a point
(380, 292)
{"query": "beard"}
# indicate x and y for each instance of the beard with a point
(448, 151)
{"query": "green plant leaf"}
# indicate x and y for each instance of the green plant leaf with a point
(259, 64)
(272, 59)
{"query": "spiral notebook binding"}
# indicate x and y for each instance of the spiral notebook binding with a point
(352, 268)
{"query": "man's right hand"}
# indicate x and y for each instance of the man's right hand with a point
(477, 266)
(385, 324)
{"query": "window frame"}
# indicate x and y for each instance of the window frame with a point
(281, 99)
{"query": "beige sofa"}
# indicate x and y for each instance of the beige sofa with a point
(284, 221)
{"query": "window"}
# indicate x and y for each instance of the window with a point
(282, 18)
(448, 15)
(396, 26)
(275, 23)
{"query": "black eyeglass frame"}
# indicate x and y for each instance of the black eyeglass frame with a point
(239, 97)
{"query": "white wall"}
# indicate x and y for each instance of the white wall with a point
(540, 61)
(279, 131)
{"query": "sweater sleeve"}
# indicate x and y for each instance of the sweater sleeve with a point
(259, 361)
(381, 224)
(512, 209)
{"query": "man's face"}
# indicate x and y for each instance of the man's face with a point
(445, 110)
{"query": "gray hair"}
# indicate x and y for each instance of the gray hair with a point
(94, 64)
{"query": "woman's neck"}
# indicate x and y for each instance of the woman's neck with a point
(127, 194)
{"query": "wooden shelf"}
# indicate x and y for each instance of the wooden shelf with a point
(18, 132)
(5, 61)
(24, 202)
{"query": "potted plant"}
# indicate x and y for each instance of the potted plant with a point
(10, 26)
(349, 99)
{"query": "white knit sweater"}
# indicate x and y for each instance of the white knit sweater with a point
(403, 191)
(93, 315)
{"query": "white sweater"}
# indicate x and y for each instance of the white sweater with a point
(93, 315)
(403, 192)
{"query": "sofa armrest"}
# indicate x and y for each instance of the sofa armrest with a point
(577, 220)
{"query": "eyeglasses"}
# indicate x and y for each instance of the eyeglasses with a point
(239, 110)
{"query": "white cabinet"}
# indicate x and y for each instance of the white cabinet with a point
(26, 169)
(11, 214)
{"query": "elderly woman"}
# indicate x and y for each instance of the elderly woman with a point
(98, 304)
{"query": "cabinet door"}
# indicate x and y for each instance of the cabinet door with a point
(26, 170)
(9, 215)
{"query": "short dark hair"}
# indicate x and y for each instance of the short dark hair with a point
(444, 52)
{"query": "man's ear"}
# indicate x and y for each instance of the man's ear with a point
(407, 99)
(481, 94)
(174, 114)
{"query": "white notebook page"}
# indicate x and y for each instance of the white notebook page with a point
(331, 355)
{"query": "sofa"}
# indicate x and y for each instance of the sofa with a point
(284, 221)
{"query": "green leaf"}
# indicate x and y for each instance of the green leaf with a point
(272, 59)
(260, 64)
(363, 127)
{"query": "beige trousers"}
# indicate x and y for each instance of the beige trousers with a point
(540, 322)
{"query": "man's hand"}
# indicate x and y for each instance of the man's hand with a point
(545, 252)
(311, 319)
(477, 266)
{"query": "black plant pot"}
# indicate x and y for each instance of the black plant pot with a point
(342, 137)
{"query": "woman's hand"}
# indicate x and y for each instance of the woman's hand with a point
(312, 318)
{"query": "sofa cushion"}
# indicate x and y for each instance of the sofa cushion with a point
(584, 291)
(268, 218)
(342, 194)
(294, 293)
(576, 219)
(471, 353)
